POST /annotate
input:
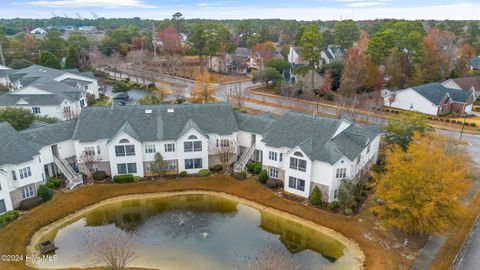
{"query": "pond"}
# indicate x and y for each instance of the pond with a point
(191, 231)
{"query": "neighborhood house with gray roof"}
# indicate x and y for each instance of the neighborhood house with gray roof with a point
(47, 91)
(302, 151)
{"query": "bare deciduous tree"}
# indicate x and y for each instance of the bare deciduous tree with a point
(236, 95)
(224, 151)
(70, 113)
(114, 249)
(272, 259)
(88, 161)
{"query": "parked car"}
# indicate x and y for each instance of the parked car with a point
(121, 97)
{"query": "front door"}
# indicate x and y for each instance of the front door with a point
(55, 150)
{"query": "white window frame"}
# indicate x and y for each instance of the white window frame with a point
(273, 173)
(272, 155)
(27, 192)
(90, 150)
(169, 147)
(150, 149)
(127, 169)
(193, 163)
(36, 110)
(297, 182)
(341, 173)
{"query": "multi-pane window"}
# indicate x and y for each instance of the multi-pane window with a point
(14, 175)
(272, 155)
(223, 143)
(90, 150)
(27, 192)
(171, 164)
(123, 168)
(195, 146)
(273, 173)
(98, 149)
(298, 164)
(296, 183)
(150, 149)
(124, 150)
(341, 173)
(169, 147)
(280, 157)
(25, 172)
(35, 110)
(193, 163)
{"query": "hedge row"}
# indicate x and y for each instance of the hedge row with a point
(124, 178)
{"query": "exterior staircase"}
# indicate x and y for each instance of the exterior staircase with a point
(73, 179)
(242, 162)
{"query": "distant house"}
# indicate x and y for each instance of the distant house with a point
(260, 58)
(306, 80)
(236, 63)
(465, 83)
(331, 54)
(38, 31)
(294, 56)
(475, 63)
(432, 98)
(48, 91)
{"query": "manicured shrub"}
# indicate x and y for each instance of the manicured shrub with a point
(44, 192)
(316, 196)
(30, 203)
(330, 96)
(183, 174)
(50, 184)
(137, 179)
(204, 173)
(123, 178)
(348, 211)
(217, 168)
(272, 183)
(99, 175)
(8, 217)
(473, 124)
(257, 168)
(263, 177)
(250, 166)
(240, 175)
(333, 205)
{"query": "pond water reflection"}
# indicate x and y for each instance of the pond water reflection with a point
(195, 232)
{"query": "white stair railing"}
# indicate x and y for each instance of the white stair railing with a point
(73, 179)
(242, 162)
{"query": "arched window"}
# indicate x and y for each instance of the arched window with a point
(192, 137)
(298, 154)
(124, 141)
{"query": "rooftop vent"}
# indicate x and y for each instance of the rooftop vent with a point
(170, 110)
(148, 111)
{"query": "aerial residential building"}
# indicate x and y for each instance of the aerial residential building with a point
(300, 150)
(432, 98)
(47, 91)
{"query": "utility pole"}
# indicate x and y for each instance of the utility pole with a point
(463, 125)
(154, 40)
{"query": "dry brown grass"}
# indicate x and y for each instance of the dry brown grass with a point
(15, 236)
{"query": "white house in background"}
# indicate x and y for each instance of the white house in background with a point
(331, 54)
(294, 56)
(432, 98)
(475, 63)
(47, 91)
(300, 150)
(38, 31)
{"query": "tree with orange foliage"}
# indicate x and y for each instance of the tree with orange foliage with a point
(421, 188)
(434, 64)
(354, 72)
(326, 86)
(171, 47)
(464, 55)
(204, 88)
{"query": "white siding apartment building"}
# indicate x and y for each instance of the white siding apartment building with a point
(298, 149)
(47, 91)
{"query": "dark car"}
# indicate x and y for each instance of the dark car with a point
(121, 97)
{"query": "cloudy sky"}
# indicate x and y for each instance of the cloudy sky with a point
(238, 9)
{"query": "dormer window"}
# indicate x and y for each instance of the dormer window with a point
(124, 141)
(298, 154)
(192, 137)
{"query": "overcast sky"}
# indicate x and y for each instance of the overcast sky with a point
(233, 9)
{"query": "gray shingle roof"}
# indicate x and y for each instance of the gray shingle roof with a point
(315, 137)
(475, 62)
(258, 124)
(50, 134)
(39, 100)
(104, 122)
(14, 147)
(435, 92)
